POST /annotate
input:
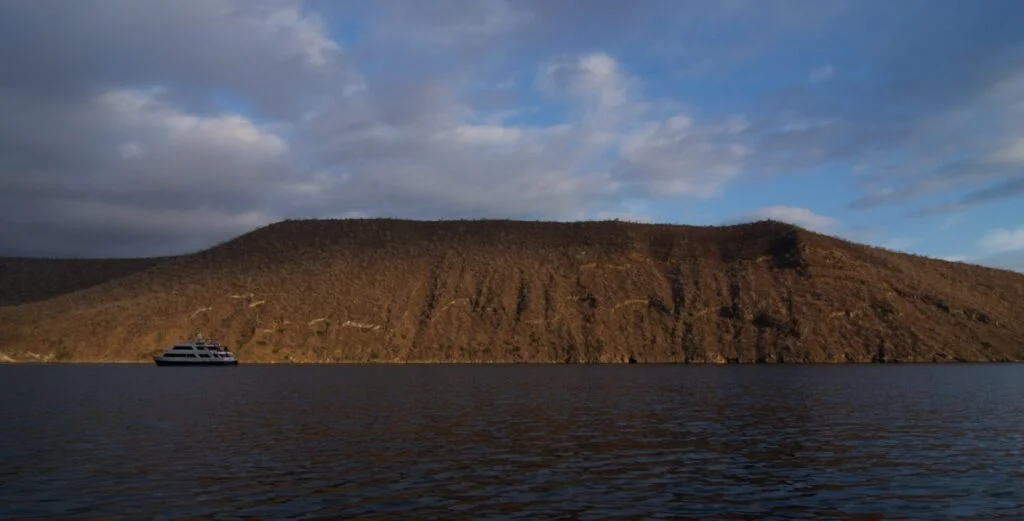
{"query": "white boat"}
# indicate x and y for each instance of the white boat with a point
(196, 352)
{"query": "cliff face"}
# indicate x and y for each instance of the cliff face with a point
(506, 291)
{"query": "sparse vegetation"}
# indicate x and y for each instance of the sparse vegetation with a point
(389, 290)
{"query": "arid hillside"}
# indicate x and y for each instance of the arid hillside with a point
(510, 291)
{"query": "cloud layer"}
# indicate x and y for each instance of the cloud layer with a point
(799, 216)
(999, 241)
(136, 128)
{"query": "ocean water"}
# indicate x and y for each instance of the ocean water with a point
(512, 442)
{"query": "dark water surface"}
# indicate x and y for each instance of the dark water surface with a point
(516, 442)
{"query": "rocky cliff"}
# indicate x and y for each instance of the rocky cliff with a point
(380, 290)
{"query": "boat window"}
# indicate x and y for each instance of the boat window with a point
(182, 348)
(204, 356)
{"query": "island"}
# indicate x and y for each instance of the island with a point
(507, 291)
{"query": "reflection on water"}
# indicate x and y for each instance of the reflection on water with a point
(518, 442)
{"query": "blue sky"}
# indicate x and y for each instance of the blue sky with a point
(141, 128)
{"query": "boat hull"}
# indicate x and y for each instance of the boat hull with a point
(204, 363)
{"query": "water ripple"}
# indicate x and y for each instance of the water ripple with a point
(519, 442)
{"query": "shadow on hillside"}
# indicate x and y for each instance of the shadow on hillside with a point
(24, 280)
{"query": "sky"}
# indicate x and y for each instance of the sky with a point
(137, 128)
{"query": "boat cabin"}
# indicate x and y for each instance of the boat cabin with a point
(198, 348)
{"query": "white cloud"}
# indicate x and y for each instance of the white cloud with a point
(483, 134)
(433, 161)
(821, 73)
(1003, 240)
(793, 215)
(661, 150)
(301, 34)
(949, 222)
(201, 158)
(1012, 151)
(142, 111)
(596, 79)
(130, 150)
(673, 157)
(354, 214)
(443, 24)
(635, 210)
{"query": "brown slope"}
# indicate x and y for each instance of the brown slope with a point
(30, 280)
(394, 290)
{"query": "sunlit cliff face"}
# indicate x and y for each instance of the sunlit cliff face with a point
(514, 291)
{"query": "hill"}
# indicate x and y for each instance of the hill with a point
(29, 280)
(512, 291)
